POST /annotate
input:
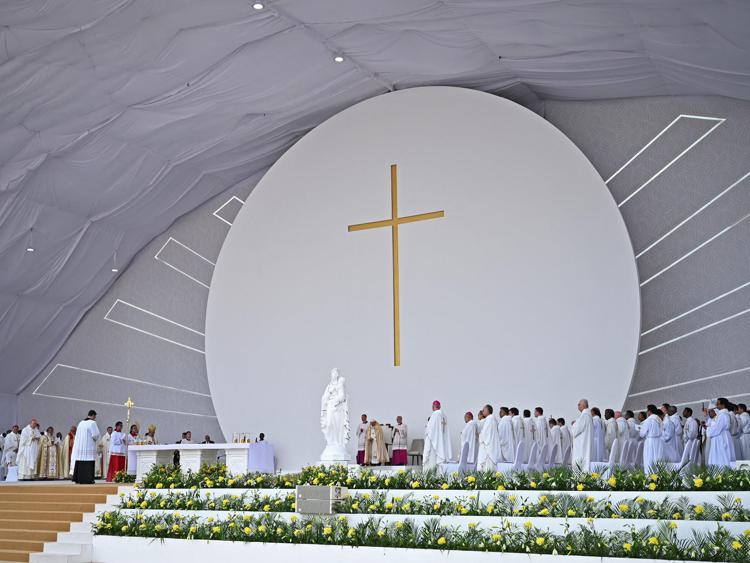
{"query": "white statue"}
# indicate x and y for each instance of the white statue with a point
(334, 420)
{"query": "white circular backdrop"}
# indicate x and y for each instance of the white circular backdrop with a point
(524, 294)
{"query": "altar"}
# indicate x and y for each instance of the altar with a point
(255, 457)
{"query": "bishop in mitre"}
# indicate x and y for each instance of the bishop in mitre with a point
(437, 442)
(84, 450)
(28, 450)
(49, 456)
(376, 452)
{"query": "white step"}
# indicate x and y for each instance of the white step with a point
(81, 527)
(75, 537)
(49, 558)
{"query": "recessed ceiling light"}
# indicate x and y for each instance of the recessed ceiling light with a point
(258, 6)
(30, 249)
(338, 59)
(115, 270)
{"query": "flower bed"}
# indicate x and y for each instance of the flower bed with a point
(557, 479)
(727, 508)
(658, 542)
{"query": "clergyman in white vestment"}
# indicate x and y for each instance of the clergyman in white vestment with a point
(400, 445)
(507, 437)
(361, 431)
(489, 441)
(744, 420)
(10, 447)
(28, 450)
(470, 437)
(653, 445)
(717, 429)
(84, 450)
(437, 442)
(583, 437)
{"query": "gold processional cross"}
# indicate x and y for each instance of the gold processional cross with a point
(393, 223)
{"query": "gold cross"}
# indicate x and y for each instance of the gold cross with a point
(393, 223)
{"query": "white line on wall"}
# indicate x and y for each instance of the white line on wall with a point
(718, 297)
(718, 121)
(698, 380)
(119, 405)
(696, 249)
(692, 332)
(107, 317)
(216, 213)
(120, 377)
(695, 402)
(689, 217)
(175, 268)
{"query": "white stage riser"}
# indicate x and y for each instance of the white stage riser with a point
(695, 497)
(553, 525)
(127, 550)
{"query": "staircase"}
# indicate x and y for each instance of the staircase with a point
(49, 523)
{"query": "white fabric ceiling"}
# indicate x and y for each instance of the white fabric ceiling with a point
(118, 116)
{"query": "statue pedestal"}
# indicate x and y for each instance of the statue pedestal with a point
(334, 455)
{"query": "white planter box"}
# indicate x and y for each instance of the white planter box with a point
(126, 550)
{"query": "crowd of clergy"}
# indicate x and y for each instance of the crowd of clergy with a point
(491, 439)
(83, 454)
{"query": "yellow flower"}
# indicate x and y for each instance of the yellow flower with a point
(533, 484)
(612, 481)
(698, 482)
(351, 533)
(590, 499)
(216, 530)
(676, 516)
(747, 532)
(415, 484)
(442, 540)
(580, 486)
(159, 486)
(543, 498)
(653, 540)
(540, 541)
(699, 509)
(673, 525)
(293, 518)
(247, 530)
(262, 529)
(381, 533)
(175, 527)
(640, 500)
(444, 486)
(571, 512)
(400, 525)
(193, 529)
(407, 507)
(490, 508)
(595, 475)
(496, 537)
(471, 479)
(327, 531)
(267, 508)
(653, 477)
(436, 506)
(527, 525)
(342, 518)
(472, 525)
(124, 528)
(355, 506)
(623, 507)
(210, 519)
(500, 488)
(736, 545)
(544, 512)
(652, 486)
(726, 516)
(627, 547)
(144, 504)
(142, 527)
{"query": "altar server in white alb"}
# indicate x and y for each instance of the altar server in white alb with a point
(611, 432)
(362, 429)
(541, 427)
(717, 431)
(489, 441)
(519, 430)
(690, 429)
(507, 436)
(437, 441)
(555, 442)
(28, 450)
(744, 420)
(599, 450)
(470, 437)
(651, 432)
(84, 450)
(674, 416)
(583, 437)
(566, 440)
(400, 447)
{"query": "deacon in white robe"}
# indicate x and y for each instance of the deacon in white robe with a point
(669, 449)
(529, 428)
(84, 450)
(633, 432)
(555, 439)
(735, 432)
(541, 426)
(717, 430)
(400, 443)
(361, 432)
(566, 439)
(610, 432)
(744, 420)
(470, 437)
(519, 430)
(437, 442)
(28, 450)
(507, 437)
(10, 447)
(651, 432)
(583, 437)
(489, 441)
(623, 432)
(678, 430)
(690, 431)
(599, 451)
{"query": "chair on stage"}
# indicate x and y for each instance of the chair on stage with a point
(611, 462)
(623, 461)
(415, 451)
(553, 458)
(684, 460)
(463, 466)
(638, 455)
(517, 465)
(542, 459)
